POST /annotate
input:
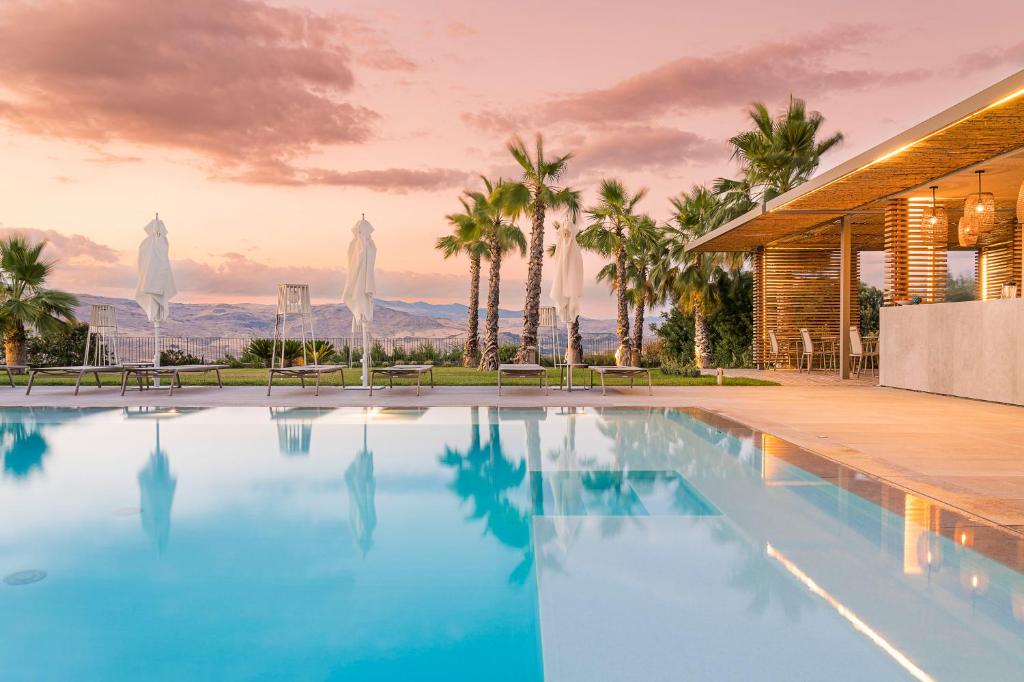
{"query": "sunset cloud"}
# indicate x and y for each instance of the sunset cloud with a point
(992, 57)
(240, 82)
(734, 78)
(638, 147)
(394, 180)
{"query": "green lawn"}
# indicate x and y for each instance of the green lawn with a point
(443, 376)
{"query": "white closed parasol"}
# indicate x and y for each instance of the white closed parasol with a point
(156, 281)
(360, 284)
(568, 286)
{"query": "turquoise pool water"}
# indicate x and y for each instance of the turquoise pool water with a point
(477, 544)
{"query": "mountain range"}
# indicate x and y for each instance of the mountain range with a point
(391, 318)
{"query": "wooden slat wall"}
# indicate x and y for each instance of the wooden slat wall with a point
(761, 345)
(799, 288)
(915, 262)
(997, 264)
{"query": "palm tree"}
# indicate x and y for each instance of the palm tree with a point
(493, 212)
(645, 251)
(776, 155)
(454, 244)
(612, 224)
(694, 284)
(540, 177)
(25, 302)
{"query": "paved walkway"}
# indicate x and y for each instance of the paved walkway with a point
(966, 454)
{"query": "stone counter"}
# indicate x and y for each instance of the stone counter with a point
(973, 349)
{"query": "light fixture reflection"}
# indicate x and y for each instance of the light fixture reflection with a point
(844, 611)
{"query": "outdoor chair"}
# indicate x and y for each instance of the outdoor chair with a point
(806, 357)
(524, 371)
(861, 352)
(616, 372)
(403, 371)
(143, 373)
(100, 342)
(293, 301)
(777, 351)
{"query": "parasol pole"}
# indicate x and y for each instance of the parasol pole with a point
(366, 356)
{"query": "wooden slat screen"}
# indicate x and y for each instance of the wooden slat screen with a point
(915, 262)
(998, 264)
(760, 339)
(799, 288)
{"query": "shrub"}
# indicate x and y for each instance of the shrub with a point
(599, 358)
(507, 352)
(378, 356)
(258, 352)
(319, 351)
(677, 368)
(176, 356)
(61, 349)
(424, 354)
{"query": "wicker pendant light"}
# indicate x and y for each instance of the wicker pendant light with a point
(966, 233)
(935, 222)
(980, 209)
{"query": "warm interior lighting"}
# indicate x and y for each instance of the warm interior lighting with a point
(844, 611)
(936, 222)
(979, 210)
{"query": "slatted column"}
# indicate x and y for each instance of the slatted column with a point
(915, 259)
(760, 333)
(800, 288)
(997, 264)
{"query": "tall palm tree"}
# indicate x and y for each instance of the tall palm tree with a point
(694, 284)
(25, 301)
(612, 223)
(645, 251)
(493, 212)
(540, 178)
(454, 244)
(776, 155)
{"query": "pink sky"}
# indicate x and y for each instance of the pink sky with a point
(261, 131)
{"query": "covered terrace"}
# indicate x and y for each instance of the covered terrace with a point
(905, 197)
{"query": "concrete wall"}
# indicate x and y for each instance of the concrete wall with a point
(973, 349)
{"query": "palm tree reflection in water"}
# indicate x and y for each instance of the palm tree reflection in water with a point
(22, 446)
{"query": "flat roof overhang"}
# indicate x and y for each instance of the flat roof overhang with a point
(988, 127)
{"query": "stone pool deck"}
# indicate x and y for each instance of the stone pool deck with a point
(966, 454)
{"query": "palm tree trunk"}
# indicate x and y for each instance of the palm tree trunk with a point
(702, 351)
(531, 310)
(471, 353)
(489, 361)
(576, 341)
(14, 345)
(638, 330)
(622, 354)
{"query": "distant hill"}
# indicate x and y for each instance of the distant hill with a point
(391, 318)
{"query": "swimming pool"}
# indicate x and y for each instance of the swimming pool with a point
(478, 544)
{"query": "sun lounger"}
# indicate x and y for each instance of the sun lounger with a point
(630, 373)
(10, 374)
(143, 373)
(77, 372)
(402, 371)
(523, 371)
(303, 372)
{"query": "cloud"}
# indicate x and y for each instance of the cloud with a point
(394, 180)
(500, 123)
(240, 82)
(86, 266)
(724, 80)
(458, 29)
(639, 147)
(991, 58)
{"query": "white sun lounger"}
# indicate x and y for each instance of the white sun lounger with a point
(77, 372)
(611, 371)
(524, 371)
(303, 372)
(143, 373)
(402, 371)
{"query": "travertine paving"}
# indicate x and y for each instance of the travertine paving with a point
(966, 454)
